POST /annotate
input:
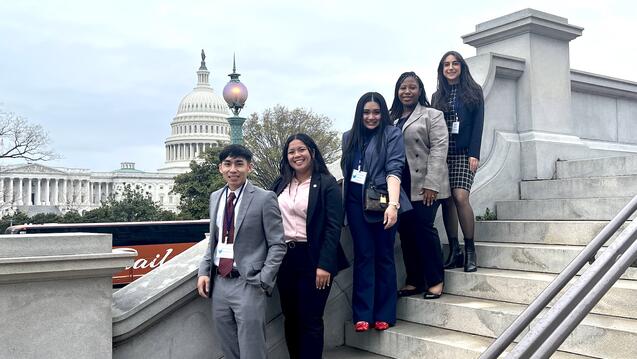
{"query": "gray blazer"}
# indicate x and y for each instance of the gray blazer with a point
(259, 244)
(426, 145)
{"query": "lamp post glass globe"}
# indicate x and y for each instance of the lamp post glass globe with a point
(235, 94)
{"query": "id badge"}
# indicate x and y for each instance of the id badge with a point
(225, 250)
(455, 127)
(359, 176)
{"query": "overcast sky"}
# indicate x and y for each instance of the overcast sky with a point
(105, 78)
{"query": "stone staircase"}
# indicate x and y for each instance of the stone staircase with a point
(519, 255)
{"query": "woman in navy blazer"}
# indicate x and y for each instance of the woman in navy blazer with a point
(373, 154)
(312, 261)
(461, 100)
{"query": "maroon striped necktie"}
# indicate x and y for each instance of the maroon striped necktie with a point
(225, 264)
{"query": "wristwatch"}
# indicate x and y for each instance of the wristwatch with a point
(395, 204)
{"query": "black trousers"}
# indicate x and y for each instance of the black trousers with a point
(302, 304)
(419, 240)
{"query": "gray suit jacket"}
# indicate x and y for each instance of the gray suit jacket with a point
(259, 244)
(426, 145)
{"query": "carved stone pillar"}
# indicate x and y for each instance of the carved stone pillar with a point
(47, 192)
(20, 188)
(11, 198)
(28, 200)
(38, 191)
(65, 193)
(54, 197)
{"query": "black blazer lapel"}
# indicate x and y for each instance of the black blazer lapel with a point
(315, 188)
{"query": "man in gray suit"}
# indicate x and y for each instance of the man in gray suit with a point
(246, 248)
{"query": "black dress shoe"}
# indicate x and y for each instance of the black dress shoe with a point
(430, 295)
(408, 292)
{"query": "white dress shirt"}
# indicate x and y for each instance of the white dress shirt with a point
(221, 210)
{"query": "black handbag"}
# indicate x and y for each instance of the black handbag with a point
(376, 199)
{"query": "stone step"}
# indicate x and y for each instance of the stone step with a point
(543, 258)
(596, 209)
(523, 287)
(345, 352)
(411, 340)
(611, 166)
(591, 187)
(597, 335)
(540, 232)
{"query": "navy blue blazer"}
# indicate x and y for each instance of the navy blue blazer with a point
(324, 218)
(471, 123)
(390, 162)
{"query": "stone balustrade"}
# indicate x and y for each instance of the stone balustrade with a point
(55, 295)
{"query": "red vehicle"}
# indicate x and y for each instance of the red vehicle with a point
(155, 242)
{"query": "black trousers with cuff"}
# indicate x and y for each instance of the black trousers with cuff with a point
(302, 303)
(420, 243)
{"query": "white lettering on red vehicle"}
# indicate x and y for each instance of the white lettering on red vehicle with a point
(142, 263)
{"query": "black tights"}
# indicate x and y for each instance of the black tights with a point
(457, 207)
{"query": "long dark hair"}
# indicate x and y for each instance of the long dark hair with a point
(469, 91)
(357, 132)
(318, 163)
(397, 107)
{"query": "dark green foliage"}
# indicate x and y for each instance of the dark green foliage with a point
(488, 216)
(133, 206)
(195, 187)
(41, 218)
(15, 219)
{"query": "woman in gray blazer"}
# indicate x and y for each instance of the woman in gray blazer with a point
(425, 180)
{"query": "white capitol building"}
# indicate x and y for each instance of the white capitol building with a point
(200, 123)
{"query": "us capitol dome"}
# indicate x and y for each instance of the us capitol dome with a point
(200, 123)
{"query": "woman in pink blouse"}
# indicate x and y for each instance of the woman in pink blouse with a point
(312, 211)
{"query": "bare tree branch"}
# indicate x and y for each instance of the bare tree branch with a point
(21, 139)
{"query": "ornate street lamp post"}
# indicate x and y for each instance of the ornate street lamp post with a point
(235, 94)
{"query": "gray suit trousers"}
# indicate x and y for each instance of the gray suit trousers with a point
(238, 311)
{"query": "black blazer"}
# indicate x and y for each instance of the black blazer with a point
(324, 218)
(471, 123)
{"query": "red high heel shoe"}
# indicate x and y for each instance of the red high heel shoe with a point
(381, 326)
(361, 326)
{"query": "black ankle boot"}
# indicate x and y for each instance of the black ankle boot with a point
(470, 264)
(455, 258)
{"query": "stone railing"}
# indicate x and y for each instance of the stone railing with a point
(161, 313)
(55, 295)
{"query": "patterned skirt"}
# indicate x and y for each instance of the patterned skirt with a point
(460, 176)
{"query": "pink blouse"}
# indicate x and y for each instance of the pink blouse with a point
(293, 203)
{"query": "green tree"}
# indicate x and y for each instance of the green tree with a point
(13, 220)
(72, 216)
(194, 187)
(41, 218)
(132, 206)
(265, 136)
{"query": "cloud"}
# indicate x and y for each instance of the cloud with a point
(105, 78)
